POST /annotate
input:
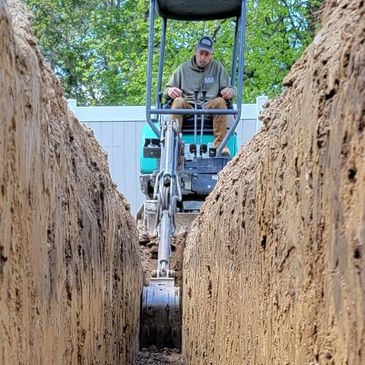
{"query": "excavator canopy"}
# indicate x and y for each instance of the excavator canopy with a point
(198, 9)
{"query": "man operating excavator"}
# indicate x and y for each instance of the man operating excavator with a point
(208, 80)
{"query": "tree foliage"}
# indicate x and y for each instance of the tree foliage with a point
(98, 49)
(278, 33)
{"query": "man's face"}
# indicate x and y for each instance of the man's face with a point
(202, 57)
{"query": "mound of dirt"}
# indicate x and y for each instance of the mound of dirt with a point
(70, 271)
(274, 269)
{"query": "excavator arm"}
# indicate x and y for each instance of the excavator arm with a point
(161, 309)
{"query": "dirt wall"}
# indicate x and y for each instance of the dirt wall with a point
(274, 269)
(70, 273)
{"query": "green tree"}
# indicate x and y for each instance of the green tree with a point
(98, 49)
(278, 32)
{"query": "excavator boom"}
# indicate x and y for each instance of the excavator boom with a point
(161, 301)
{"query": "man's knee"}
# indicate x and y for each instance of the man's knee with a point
(221, 103)
(217, 103)
(178, 103)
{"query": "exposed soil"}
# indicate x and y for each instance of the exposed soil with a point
(274, 268)
(70, 272)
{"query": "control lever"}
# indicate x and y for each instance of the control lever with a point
(196, 93)
(204, 92)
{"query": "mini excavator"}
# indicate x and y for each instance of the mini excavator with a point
(178, 169)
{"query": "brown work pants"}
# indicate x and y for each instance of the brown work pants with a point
(219, 121)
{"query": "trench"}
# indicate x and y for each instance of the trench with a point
(274, 265)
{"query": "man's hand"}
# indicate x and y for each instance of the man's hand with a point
(227, 93)
(174, 92)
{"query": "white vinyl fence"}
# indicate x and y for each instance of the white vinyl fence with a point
(119, 131)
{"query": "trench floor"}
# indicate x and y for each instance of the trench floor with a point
(162, 357)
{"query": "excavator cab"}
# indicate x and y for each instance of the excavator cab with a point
(178, 169)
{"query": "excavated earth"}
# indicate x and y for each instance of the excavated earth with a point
(274, 269)
(70, 270)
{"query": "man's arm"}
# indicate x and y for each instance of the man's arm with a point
(226, 90)
(172, 89)
(174, 92)
(227, 93)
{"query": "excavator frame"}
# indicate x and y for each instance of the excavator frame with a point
(184, 171)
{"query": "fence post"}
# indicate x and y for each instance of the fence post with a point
(72, 104)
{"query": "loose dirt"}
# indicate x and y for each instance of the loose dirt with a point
(162, 357)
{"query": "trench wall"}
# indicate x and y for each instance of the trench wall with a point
(70, 273)
(274, 268)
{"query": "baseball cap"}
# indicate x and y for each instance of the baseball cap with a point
(205, 44)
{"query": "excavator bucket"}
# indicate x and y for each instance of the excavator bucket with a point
(161, 314)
